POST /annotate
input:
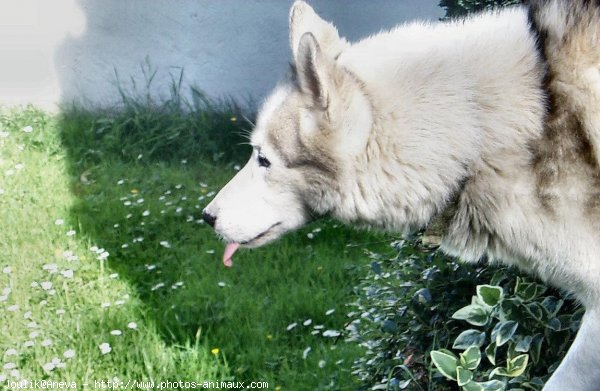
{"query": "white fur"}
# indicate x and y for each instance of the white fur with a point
(259, 209)
(427, 114)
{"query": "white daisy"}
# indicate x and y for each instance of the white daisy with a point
(69, 353)
(305, 352)
(165, 244)
(331, 333)
(105, 348)
(48, 367)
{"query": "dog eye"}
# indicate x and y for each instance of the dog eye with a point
(263, 161)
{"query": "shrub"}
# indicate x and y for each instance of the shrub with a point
(457, 8)
(428, 322)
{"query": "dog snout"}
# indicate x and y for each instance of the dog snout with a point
(208, 218)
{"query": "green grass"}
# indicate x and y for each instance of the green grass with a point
(133, 183)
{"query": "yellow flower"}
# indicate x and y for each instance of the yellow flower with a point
(278, 388)
(233, 119)
(269, 336)
(134, 191)
(215, 351)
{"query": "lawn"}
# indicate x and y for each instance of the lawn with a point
(107, 270)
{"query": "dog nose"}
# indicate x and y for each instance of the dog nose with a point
(209, 219)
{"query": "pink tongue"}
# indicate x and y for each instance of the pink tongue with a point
(229, 251)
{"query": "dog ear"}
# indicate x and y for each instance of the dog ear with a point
(342, 102)
(313, 71)
(303, 19)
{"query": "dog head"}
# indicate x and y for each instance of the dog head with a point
(306, 133)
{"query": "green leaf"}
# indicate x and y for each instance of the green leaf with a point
(472, 386)
(510, 308)
(494, 332)
(517, 365)
(554, 324)
(552, 305)
(523, 343)
(493, 385)
(558, 341)
(470, 358)
(499, 371)
(389, 326)
(514, 367)
(565, 321)
(529, 291)
(469, 338)
(490, 295)
(505, 332)
(445, 362)
(474, 314)
(490, 352)
(477, 301)
(423, 296)
(463, 376)
(536, 310)
(376, 267)
(535, 383)
(536, 347)
(575, 320)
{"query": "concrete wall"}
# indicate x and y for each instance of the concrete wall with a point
(73, 50)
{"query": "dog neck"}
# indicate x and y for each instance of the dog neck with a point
(440, 222)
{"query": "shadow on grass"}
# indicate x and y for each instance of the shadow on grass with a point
(142, 175)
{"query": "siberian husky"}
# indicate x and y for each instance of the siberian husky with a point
(488, 129)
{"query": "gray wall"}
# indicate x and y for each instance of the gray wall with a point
(71, 50)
